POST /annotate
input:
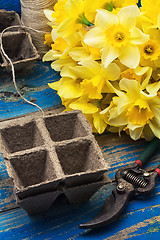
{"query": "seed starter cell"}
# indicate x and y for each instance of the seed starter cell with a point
(8, 18)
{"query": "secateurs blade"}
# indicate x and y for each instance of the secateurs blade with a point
(131, 180)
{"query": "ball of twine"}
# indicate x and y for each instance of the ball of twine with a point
(32, 16)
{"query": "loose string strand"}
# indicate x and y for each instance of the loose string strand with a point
(12, 66)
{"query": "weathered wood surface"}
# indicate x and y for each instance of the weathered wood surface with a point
(33, 85)
(140, 219)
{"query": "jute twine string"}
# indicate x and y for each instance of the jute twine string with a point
(33, 17)
(12, 66)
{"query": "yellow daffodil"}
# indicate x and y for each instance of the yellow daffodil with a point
(95, 79)
(84, 52)
(150, 50)
(117, 36)
(75, 18)
(141, 74)
(59, 52)
(135, 110)
(67, 88)
(60, 59)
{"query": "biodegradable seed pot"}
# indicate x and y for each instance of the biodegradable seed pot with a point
(50, 156)
(17, 42)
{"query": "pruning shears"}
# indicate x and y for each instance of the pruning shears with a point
(132, 181)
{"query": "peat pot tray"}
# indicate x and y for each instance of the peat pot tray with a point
(52, 155)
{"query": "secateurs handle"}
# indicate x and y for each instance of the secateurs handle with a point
(148, 152)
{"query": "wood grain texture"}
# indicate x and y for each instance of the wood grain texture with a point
(10, 5)
(141, 217)
(62, 221)
(33, 84)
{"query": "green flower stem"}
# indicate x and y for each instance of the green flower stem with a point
(82, 19)
(109, 6)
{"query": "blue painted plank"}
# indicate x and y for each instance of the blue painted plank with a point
(121, 151)
(6, 195)
(61, 222)
(10, 5)
(3, 171)
(33, 84)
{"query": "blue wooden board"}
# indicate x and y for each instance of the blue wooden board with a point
(10, 5)
(33, 84)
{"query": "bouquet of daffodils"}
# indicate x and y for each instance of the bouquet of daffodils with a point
(108, 55)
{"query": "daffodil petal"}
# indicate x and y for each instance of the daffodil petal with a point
(141, 70)
(130, 56)
(135, 132)
(69, 88)
(95, 38)
(99, 123)
(105, 19)
(127, 84)
(48, 14)
(116, 119)
(147, 78)
(147, 132)
(54, 85)
(58, 64)
(122, 103)
(137, 36)
(158, 20)
(74, 8)
(82, 72)
(49, 56)
(92, 65)
(127, 15)
(67, 71)
(153, 88)
(86, 108)
(109, 53)
(155, 108)
(65, 29)
(54, 34)
(155, 128)
(78, 54)
(113, 72)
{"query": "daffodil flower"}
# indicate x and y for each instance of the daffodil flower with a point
(74, 20)
(84, 52)
(141, 74)
(67, 88)
(117, 36)
(150, 50)
(95, 79)
(59, 52)
(135, 110)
